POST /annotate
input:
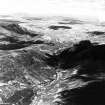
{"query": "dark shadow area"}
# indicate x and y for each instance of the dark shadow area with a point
(64, 23)
(59, 27)
(90, 60)
(67, 55)
(91, 94)
(96, 33)
(19, 45)
(9, 39)
(17, 29)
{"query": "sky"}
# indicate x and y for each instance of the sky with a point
(77, 8)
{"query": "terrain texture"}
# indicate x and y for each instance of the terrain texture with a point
(51, 61)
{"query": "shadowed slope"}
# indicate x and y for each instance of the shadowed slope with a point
(67, 54)
(90, 60)
(90, 94)
(83, 54)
